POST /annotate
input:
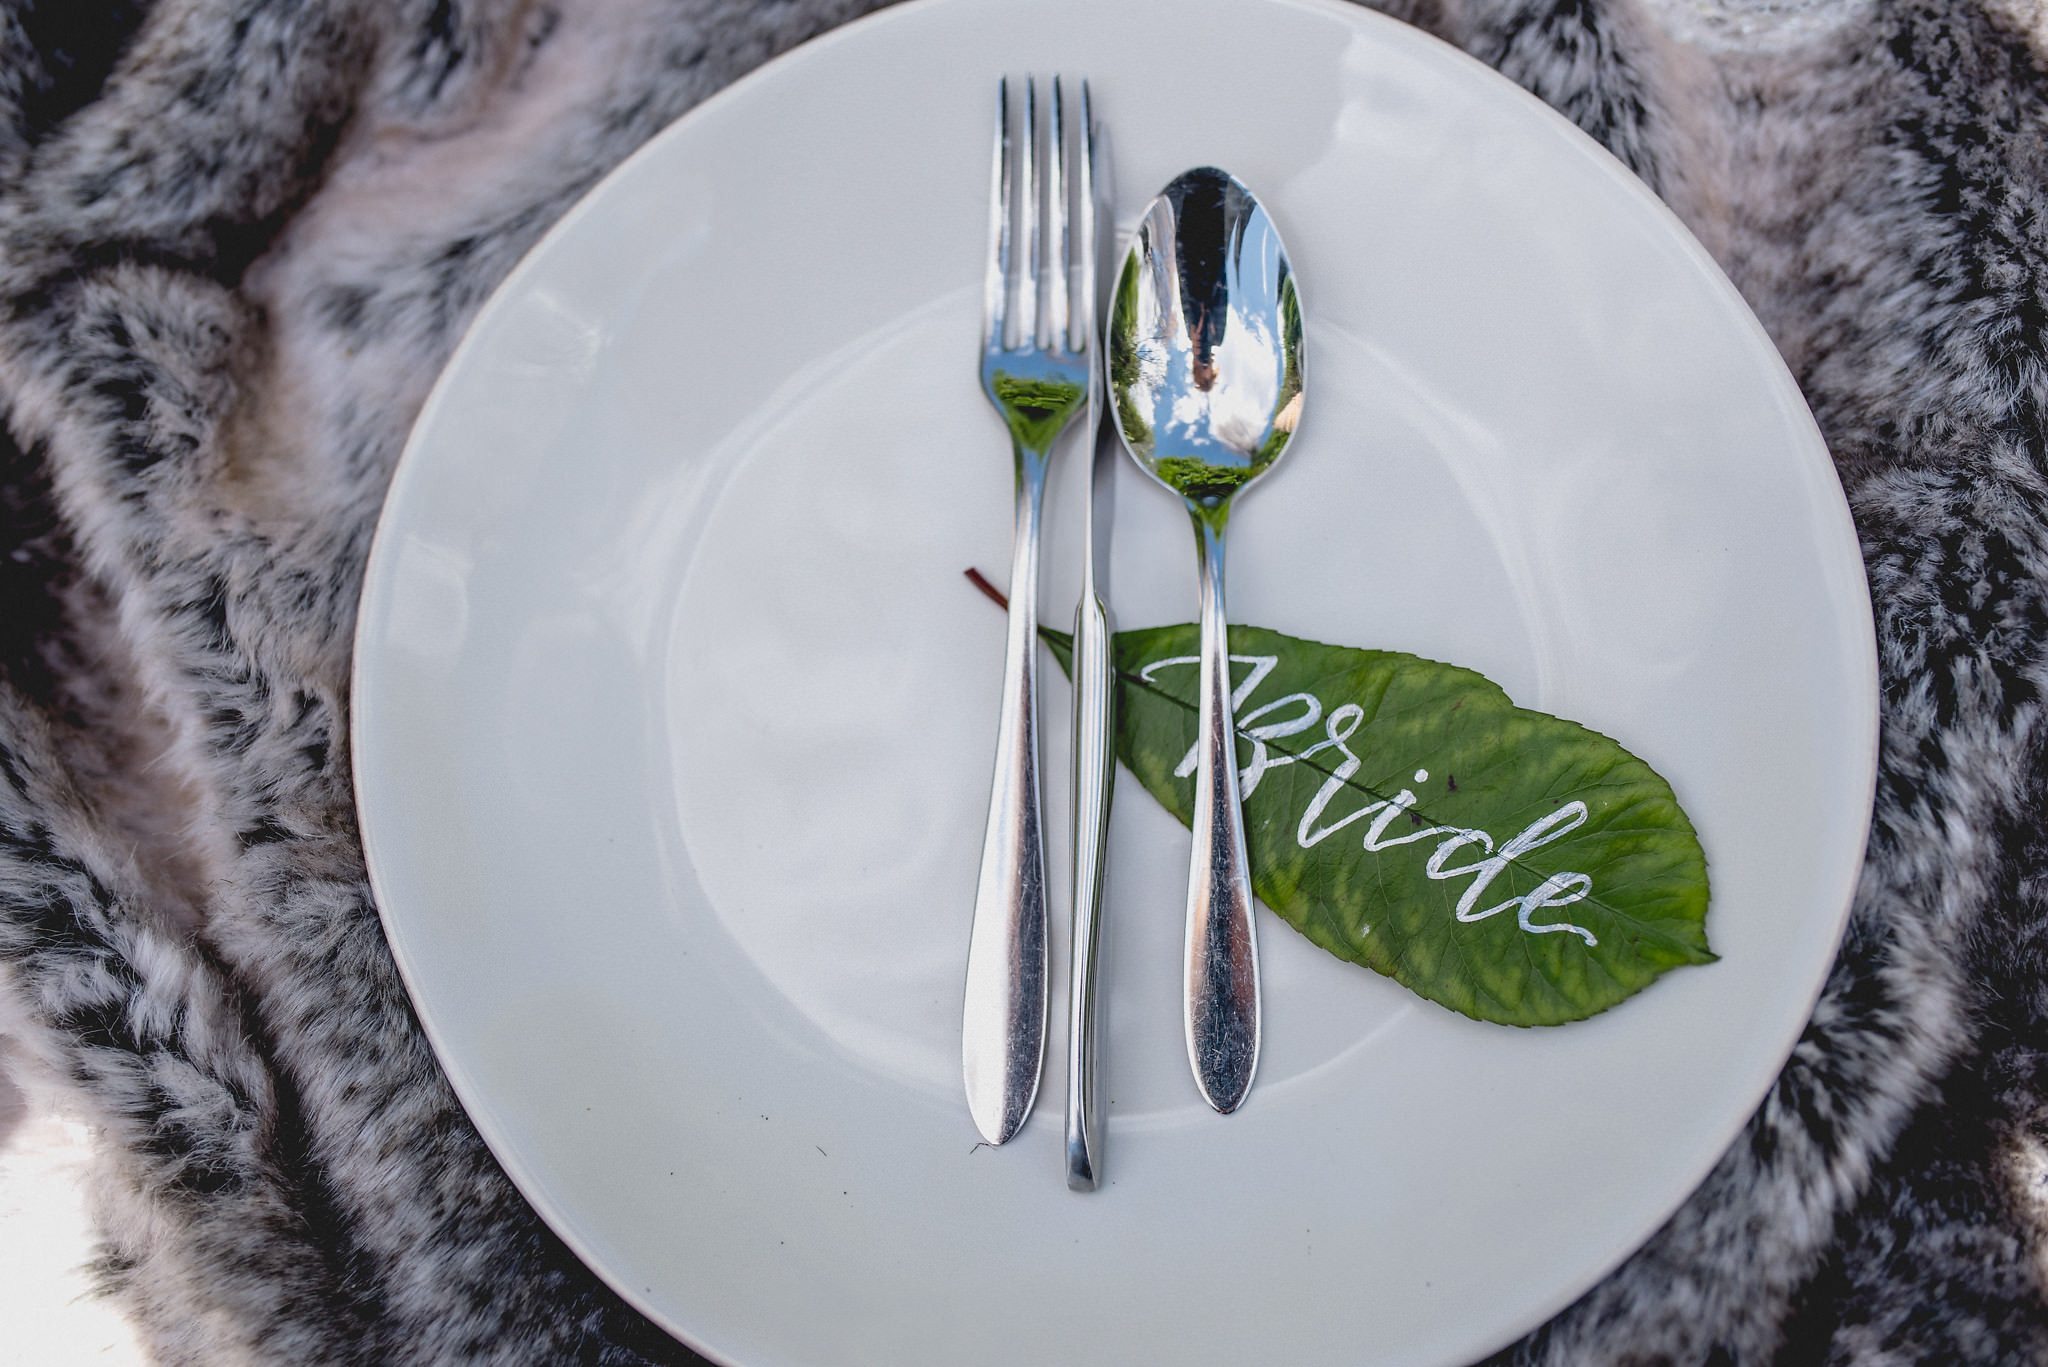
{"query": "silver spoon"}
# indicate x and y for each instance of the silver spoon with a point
(1205, 380)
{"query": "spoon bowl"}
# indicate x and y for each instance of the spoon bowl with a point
(1205, 353)
(1204, 361)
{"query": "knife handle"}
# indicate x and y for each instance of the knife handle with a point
(1094, 775)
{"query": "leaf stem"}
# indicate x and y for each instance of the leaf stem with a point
(994, 594)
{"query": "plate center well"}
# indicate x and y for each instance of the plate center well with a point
(831, 686)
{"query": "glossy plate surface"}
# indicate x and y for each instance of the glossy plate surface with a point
(674, 714)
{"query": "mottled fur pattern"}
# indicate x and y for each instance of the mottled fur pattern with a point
(239, 237)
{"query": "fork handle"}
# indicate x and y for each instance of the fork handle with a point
(1003, 1030)
(1094, 772)
(1222, 983)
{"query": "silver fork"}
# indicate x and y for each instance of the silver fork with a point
(1037, 367)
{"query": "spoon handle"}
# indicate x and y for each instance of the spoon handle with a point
(1222, 988)
(1002, 1038)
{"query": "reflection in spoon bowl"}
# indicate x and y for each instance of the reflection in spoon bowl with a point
(1205, 340)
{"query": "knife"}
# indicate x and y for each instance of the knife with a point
(1094, 728)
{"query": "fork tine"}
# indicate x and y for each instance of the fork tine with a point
(1026, 330)
(995, 285)
(1084, 313)
(1054, 300)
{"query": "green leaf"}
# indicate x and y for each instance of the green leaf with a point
(1407, 816)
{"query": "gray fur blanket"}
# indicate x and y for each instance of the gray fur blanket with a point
(238, 238)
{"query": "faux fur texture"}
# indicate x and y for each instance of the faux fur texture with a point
(238, 238)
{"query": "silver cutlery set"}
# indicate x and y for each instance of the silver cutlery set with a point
(1202, 361)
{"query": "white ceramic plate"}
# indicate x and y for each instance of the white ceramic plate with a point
(674, 713)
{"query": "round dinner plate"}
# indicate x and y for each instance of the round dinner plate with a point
(675, 716)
